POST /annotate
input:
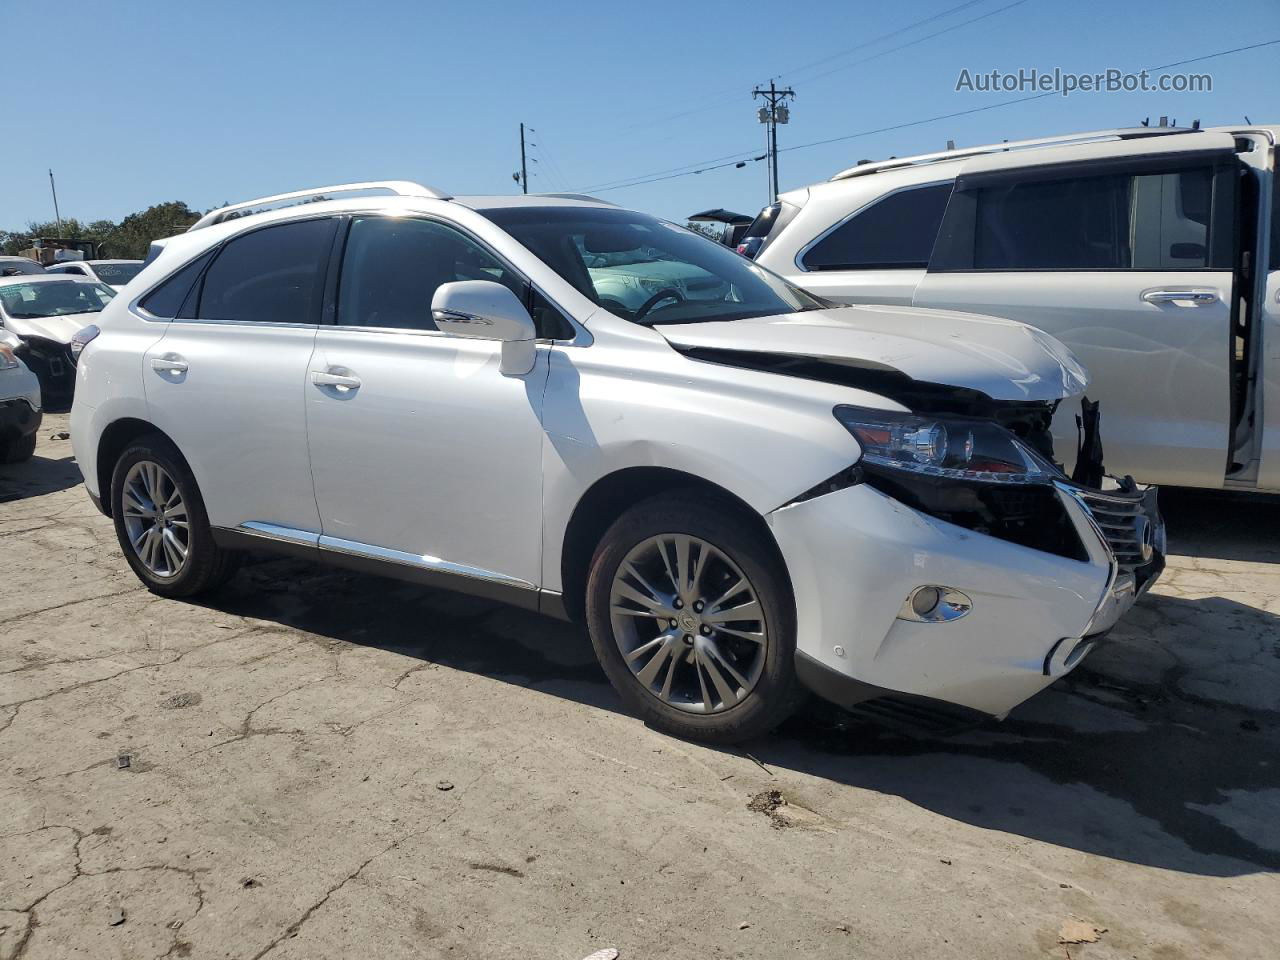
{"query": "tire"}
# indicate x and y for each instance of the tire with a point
(205, 566)
(726, 543)
(19, 450)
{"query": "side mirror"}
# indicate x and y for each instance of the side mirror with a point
(485, 310)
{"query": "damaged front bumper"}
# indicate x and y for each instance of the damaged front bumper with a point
(857, 555)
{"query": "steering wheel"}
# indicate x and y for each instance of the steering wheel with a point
(667, 293)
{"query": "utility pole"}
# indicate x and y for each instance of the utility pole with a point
(775, 113)
(524, 168)
(56, 215)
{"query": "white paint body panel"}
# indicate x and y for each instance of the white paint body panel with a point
(1004, 360)
(1269, 376)
(1161, 371)
(237, 415)
(435, 455)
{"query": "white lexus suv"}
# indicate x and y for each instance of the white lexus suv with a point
(742, 490)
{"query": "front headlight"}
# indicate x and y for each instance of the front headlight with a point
(976, 450)
(7, 358)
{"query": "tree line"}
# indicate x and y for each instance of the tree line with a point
(127, 240)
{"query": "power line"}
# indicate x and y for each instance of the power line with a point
(1210, 56)
(671, 175)
(611, 185)
(912, 43)
(623, 181)
(874, 40)
(549, 161)
(730, 96)
(1006, 103)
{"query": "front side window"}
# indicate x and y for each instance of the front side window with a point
(56, 298)
(1126, 221)
(895, 232)
(392, 266)
(271, 275)
(646, 270)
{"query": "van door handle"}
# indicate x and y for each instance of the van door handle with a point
(338, 380)
(1197, 298)
(169, 363)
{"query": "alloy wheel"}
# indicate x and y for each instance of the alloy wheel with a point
(155, 519)
(689, 623)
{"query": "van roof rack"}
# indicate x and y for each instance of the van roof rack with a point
(400, 188)
(576, 196)
(1124, 133)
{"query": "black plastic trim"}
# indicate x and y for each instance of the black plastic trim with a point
(522, 597)
(892, 708)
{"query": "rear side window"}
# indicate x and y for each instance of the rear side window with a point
(166, 300)
(897, 231)
(1142, 221)
(272, 275)
(392, 266)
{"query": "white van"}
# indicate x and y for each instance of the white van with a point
(1153, 253)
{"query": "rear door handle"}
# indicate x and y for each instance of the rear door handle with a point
(341, 381)
(169, 363)
(1194, 297)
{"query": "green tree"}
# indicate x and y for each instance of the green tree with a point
(127, 240)
(136, 232)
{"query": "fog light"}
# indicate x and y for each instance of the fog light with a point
(924, 601)
(935, 604)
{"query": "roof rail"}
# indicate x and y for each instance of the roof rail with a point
(576, 196)
(1124, 133)
(401, 188)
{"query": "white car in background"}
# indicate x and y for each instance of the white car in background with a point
(19, 267)
(114, 273)
(19, 403)
(741, 496)
(1153, 253)
(44, 312)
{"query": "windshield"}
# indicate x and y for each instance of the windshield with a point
(649, 271)
(117, 274)
(33, 301)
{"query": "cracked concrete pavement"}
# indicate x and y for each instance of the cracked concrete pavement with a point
(288, 742)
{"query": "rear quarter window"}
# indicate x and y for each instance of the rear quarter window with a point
(896, 231)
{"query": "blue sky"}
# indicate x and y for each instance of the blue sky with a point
(209, 102)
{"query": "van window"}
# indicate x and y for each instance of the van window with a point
(1275, 220)
(271, 275)
(1157, 221)
(392, 267)
(896, 231)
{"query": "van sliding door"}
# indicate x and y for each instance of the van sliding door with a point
(1124, 251)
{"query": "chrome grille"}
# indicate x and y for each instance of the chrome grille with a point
(1123, 519)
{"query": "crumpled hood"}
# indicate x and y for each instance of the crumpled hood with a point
(58, 329)
(1003, 359)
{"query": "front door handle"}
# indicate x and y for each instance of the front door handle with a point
(340, 381)
(169, 363)
(1198, 298)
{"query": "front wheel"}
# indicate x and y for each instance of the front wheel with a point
(161, 522)
(691, 616)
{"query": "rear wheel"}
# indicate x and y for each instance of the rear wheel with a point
(19, 449)
(161, 522)
(692, 618)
